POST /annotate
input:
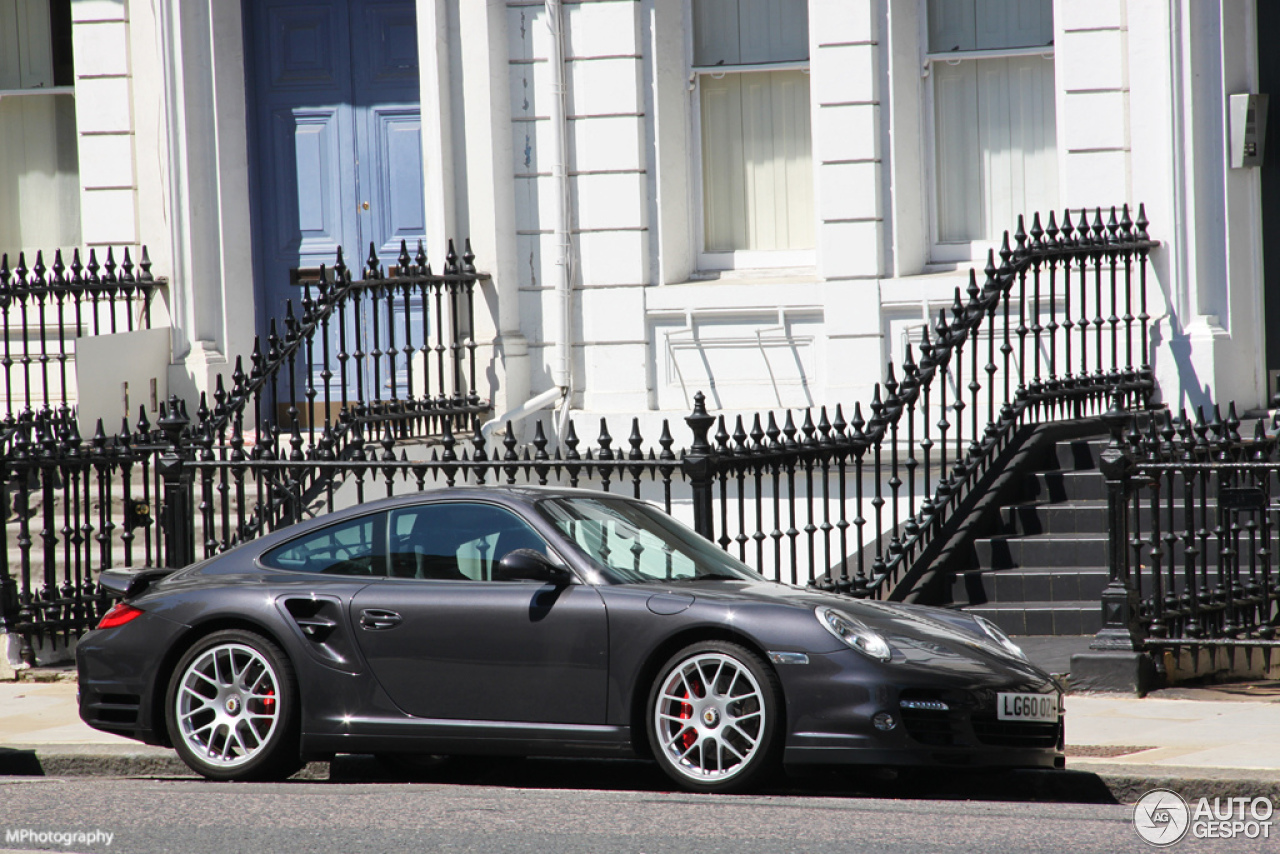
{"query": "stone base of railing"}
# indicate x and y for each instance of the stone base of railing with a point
(1219, 661)
(1114, 672)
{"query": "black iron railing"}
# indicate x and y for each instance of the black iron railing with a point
(392, 351)
(43, 310)
(397, 347)
(862, 505)
(858, 504)
(1193, 532)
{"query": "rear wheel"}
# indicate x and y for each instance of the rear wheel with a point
(714, 717)
(232, 708)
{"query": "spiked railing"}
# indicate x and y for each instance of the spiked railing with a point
(1193, 542)
(1058, 324)
(362, 350)
(43, 310)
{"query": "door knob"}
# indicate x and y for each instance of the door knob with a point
(364, 206)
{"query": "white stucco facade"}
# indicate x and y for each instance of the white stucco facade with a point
(1140, 105)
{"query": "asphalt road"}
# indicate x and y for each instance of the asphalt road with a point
(576, 808)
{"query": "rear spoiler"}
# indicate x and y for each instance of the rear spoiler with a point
(132, 582)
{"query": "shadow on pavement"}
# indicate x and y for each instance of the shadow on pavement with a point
(20, 763)
(640, 776)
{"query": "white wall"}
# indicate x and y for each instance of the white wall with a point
(648, 330)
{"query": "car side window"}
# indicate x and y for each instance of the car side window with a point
(354, 547)
(455, 541)
(620, 545)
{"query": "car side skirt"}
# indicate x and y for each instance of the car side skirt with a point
(508, 738)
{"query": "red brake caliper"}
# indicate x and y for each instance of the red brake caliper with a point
(686, 712)
(269, 702)
(690, 737)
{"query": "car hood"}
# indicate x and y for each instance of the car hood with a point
(920, 635)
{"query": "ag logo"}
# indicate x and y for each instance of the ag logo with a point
(1161, 817)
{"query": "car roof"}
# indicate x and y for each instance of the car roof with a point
(524, 495)
(510, 494)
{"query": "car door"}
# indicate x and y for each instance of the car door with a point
(446, 641)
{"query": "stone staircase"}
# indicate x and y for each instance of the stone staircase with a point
(1043, 569)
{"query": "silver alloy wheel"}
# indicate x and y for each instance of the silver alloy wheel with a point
(228, 704)
(710, 717)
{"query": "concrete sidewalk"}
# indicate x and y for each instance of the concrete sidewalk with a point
(1200, 742)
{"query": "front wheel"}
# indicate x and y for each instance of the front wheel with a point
(232, 708)
(714, 715)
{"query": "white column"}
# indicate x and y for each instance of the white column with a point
(1208, 335)
(212, 275)
(485, 200)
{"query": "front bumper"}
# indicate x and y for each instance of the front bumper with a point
(832, 701)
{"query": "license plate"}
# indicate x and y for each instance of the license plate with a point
(1027, 707)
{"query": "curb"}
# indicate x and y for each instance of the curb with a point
(108, 760)
(1128, 783)
(1085, 782)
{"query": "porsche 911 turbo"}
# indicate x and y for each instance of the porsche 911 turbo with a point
(541, 621)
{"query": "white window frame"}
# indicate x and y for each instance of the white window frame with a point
(739, 259)
(957, 252)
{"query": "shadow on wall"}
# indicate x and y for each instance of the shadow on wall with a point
(1192, 393)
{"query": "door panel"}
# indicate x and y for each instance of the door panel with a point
(400, 212)
(301, 82)
(467, 647)
(489, 651)
(307, 51)
(308, 201)
(388, 124)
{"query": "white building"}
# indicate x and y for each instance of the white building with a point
(756, 198)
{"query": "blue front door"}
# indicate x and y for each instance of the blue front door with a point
(333, 89)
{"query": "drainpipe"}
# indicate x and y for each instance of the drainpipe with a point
(562, 219)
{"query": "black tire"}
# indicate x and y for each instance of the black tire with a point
(236, 724)
(725, 739)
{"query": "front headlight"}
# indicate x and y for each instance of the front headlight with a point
(1002, 640)
(855, 633)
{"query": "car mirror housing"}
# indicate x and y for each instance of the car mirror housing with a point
(531, 565)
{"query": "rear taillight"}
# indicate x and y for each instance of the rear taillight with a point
(119, 614)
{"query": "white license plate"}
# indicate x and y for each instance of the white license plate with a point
(1027, 707)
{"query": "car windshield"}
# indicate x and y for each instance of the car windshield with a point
(632, 542)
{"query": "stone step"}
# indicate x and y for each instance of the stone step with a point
(1078, 455)
(1047, 584)
(1064, 486)
(1049, 518)
(1044, 618)
(1047, 550)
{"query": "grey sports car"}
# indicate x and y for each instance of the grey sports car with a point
(527, 621)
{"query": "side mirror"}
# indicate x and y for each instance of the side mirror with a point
(530, 565)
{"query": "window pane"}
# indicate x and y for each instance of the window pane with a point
(757, 167)
(743, 32)
(640, 543)
(354, 547)
(995, 144)
(39, 167)
(456, 541)
(989, 24)
(39, 173)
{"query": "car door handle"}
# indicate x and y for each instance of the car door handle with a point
(377, 618)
